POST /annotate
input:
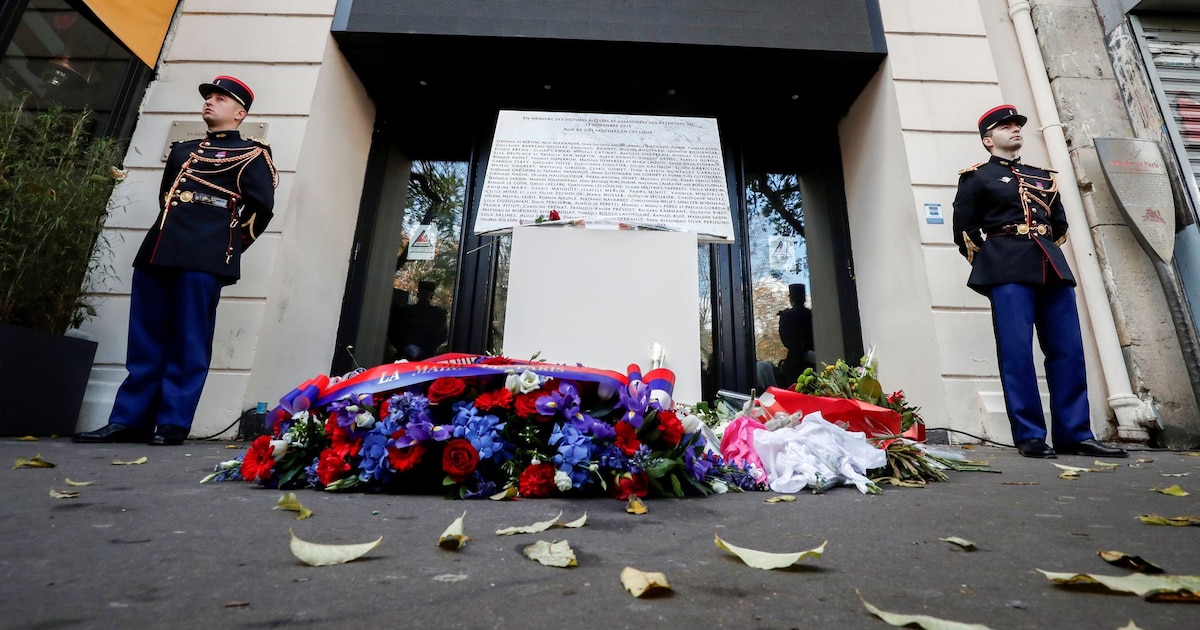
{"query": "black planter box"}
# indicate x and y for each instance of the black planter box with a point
(43, 377)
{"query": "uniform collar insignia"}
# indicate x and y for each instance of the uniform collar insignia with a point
(1006, 179)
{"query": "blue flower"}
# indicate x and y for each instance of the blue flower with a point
(374, 455)
(483, 431)
(574, 453)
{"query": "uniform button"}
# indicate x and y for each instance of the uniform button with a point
(201, 151)
(204, 144)
(182, 179)
(174, 203)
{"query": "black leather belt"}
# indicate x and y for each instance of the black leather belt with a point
(1021, 229)
(191, 196)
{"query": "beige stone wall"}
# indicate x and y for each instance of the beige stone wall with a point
(903, 144)
(319, 127)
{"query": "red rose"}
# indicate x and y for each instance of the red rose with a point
(446, 389)
(459, 459)
(495, 361)
(537, 481)
(626, 485)
(495, 400)
(341, 441)
(331, 467)
(670, 427)
(405, 460)
(627, 439)
(554, 216)
(258, 463)
(526, 406)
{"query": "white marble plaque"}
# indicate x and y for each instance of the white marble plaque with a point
(660, 172)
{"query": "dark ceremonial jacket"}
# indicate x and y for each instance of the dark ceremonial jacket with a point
(1009, 223)
(218, 193)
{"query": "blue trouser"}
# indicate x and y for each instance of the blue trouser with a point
(1017, 309)
(172, 317)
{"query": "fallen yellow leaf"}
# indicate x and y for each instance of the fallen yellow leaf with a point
(925, 621)
(1126, 561)
(27, 438)
(64, 494)
(539, 526)
(965, 544)
(319, 555)
(639, 583)
(1176, 521)
(453, 538)
(140, 460)
(1174, 491)
(289, 502)
(1151, 587)
(32, 462)
(635, 506)
(507, 494)
(782, 498)
(552, 554)
(1101, 464)
(768, 560)
(78, 483)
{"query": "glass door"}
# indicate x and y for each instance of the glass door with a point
(779, 279)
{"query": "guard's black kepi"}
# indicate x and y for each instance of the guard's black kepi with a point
(997, 115)
(231, 86)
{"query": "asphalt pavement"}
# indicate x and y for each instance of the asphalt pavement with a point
(147, 546)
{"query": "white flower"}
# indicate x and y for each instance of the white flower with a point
(719, 487)
(281, 447)
(364, 420)
(691, 424)
(523, 383)
(562, 480)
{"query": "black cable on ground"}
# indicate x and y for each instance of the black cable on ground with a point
(1139, 449)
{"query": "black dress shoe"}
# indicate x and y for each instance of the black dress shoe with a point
(1093, 448)
(1036, 448)
(167, 435)
(110, 433)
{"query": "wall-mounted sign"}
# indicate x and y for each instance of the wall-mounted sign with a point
(933, 213)
(654, 171)
(192, 129)
(1137, 175)
(422, 243)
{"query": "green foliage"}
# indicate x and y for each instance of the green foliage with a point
(859, 382)
(55, 184)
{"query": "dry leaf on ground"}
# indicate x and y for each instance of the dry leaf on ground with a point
(140, 460)
(768, 560)
(289, 502)
(453, 538)
(552, 554)
(961, 542)
(783, 498)
(1126, 561)
(1177, 521)
(639, 583)
(78, 483)
(32, 462)
(1182, 588)
(635, 506)
(318, 555)
(1174, 491)
(64, 494)
(507, 494)
(924, 621)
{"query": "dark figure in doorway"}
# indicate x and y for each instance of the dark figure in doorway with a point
(423, 326)
(796, 333)
(396, 314)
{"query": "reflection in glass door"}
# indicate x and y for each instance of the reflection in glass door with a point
(779, 279)
(426, 261)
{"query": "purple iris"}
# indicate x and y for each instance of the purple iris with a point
(634, 399)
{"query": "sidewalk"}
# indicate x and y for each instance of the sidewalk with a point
(148, 546)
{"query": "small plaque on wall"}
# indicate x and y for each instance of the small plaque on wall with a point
(192, 129)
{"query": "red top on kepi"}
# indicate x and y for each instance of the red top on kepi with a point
(997, 115)
(230, 86)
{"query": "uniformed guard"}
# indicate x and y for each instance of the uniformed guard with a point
(217, 195)
(1009, 223)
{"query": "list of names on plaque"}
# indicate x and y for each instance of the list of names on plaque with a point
(644, 170)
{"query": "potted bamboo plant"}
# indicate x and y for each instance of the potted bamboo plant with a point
(56, 181)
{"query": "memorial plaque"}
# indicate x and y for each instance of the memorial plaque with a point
(659, 172)
(1137, 175)
(192, 129)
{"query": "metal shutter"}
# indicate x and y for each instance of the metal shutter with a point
(1174, 46)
